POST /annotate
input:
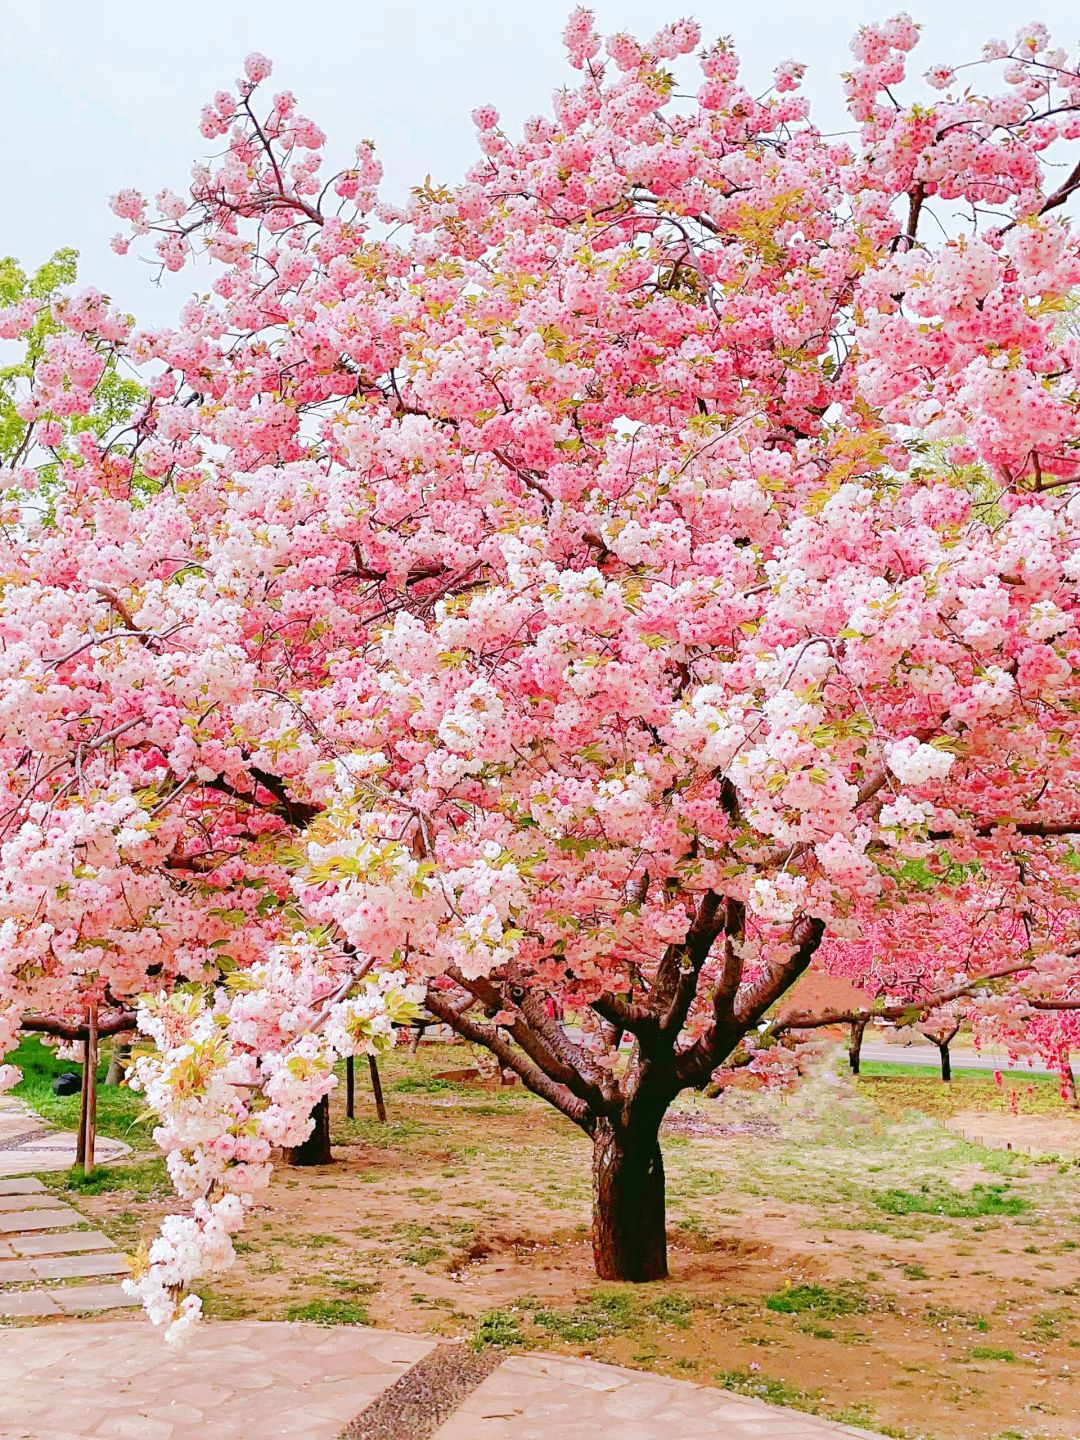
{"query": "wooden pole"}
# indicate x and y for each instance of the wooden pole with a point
(350, 1087)
(376, 1086)
(84, 1153)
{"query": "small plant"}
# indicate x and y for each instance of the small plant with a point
(604, 1313)
(673, 1309)
(764, 1387)
(498, 1328)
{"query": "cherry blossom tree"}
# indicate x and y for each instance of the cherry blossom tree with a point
(578, 591)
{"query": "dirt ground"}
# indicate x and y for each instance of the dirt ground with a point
(836, 1250)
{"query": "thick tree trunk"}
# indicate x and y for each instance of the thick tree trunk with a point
(858, 1030)
(946, 1061)
(629, 1235)
(350, 1088)
(316, 1148)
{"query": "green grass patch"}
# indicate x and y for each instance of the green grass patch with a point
(954, 1204)
(602, 1314)
(499, 1328)
(146, 1179)
(992, 1352)
(816, 1300)
(119, 1110)
(769, 1389)
(330, 1312)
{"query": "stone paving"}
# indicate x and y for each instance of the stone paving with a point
(233, 1381)
(41, 1246)
(117, 1380)
(541, 1397)
(28, 1145)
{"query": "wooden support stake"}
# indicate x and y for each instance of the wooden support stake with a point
(84, 1154)
(350, 1087)
(376, 1086)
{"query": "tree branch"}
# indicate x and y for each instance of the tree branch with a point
(481, 1033)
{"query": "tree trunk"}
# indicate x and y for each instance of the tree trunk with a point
(629, 1234)
(858, 1030)
(350, 1088)
(376, 1089)
(316, 1148)
(1069, 1078)
(946, 1061)
(119, 1057)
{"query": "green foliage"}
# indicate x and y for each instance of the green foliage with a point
(603, 1313)
(764, 1387)
(992, 1352)
(115, 398)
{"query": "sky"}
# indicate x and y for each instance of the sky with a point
(97, 96)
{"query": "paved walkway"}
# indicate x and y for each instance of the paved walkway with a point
(237, 1379)
(51, 1262)
(28, 1146)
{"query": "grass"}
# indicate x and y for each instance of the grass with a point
(765, 1387)
(498, 1328)
(816, 1300)
(898, 1089)
(146, 1180)
(602, 1314)
(992, 1352)
(932, 1199)
(330, 1312)
(118, 1108)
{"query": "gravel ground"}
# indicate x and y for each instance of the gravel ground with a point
(417, 1404)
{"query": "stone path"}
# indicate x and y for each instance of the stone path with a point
(542, 1397)
(29, 1146)
(41, 1248)
(233, 1381)
(118, 1380)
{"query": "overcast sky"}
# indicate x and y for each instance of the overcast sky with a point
(98, 94)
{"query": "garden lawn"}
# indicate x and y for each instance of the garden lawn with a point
(118, 1108)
